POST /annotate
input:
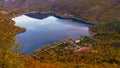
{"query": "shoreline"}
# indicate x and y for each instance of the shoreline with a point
(60, 16)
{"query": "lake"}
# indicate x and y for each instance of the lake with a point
(47, 29)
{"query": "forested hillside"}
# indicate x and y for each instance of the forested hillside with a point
(87, 10)
(102, 49)
(7, 32)
(90, 10)
(105, 50)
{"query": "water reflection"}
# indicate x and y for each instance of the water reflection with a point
(47, 31)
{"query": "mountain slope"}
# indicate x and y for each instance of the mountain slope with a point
(87, 10)
(23, 3)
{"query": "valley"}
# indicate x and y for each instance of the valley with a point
(101, 50)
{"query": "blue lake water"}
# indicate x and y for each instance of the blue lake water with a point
(40, 32)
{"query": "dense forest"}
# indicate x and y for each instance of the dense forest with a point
(103, 47)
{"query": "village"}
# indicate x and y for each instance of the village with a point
(66, 45)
